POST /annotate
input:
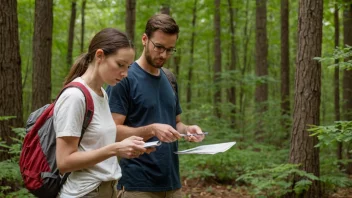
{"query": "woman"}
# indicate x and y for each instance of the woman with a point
(93, 164)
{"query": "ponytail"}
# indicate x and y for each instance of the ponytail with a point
(78, 68)
(110, 40)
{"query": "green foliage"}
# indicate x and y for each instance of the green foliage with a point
(15, 148)
(227, 167)
(10, 171)
(336, 180)
(2, 118)
(341, 131)
(22, 193)
(260, 167)
(276, 181)
(343, 55)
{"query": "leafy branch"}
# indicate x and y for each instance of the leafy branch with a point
(343, 55)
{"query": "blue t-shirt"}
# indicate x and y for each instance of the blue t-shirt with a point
(146, 99)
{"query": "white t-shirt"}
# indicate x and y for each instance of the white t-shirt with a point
(68, 119)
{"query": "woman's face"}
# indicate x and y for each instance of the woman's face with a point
(116, 66)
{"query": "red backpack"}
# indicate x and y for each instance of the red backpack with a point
(38, 158)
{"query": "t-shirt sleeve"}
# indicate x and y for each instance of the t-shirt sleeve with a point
(119, 97)
(69, 113)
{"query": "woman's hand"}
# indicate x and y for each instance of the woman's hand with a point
(131, 147)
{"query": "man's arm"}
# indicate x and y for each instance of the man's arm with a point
(180, 127)
(164, 132)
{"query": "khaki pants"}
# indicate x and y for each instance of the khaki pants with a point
(136, 194)
(105, 190)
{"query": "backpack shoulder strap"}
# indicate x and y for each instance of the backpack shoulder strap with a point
(88, 116)
(171, 77)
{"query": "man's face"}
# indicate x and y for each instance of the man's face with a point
(159, 48)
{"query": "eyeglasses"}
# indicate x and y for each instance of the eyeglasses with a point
(161, 49)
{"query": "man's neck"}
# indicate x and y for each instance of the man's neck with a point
(142, 62)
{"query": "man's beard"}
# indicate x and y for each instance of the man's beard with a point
(149, 59)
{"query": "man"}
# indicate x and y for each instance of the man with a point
(144, 104)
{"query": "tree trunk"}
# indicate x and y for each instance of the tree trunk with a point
(42, 41)
(285, 66)
(190, 71)
(210, 71)
(246, 38)
(232, 89)
(347, 78)
(217, 61)
(307, 93)
(71, 32)
(82, 24)
(130, 18)
(337, 82)
(10, 73)
(165, 9)
(261, 68)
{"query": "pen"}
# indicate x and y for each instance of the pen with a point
(184, 135)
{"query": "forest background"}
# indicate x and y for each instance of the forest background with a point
(248, 71)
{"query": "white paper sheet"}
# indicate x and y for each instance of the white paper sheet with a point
(152, 144)
(208, 149)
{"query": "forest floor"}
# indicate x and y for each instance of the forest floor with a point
(210, 189)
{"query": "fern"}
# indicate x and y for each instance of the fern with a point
(276, 181)
(340, 131)
(10, 170)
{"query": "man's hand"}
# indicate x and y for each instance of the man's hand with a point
(165, 132)
(194, 129)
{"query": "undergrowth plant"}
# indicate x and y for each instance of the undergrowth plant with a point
(10, 171)
(340, 131)
(342, 54)
(262, 169)
(276, 182)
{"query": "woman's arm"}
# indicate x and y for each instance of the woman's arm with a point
(69, 159)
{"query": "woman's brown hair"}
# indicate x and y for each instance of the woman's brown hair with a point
(110, 40)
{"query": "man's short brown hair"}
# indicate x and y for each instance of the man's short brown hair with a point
(162, 22)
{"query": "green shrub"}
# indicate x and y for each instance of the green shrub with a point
(275, 182)
(341, 131)
(10, 171)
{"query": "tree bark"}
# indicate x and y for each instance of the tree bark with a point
(10, 73)
(285, 66)
(165, 9)
(130, 18)
(82, 24)
(232, 90)
(190, 70)
(71, 32)
(347, 77)
(246, 38)
(217, 61)
(307, 93)
(337, 82)
(261, 67)
(42, 41)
